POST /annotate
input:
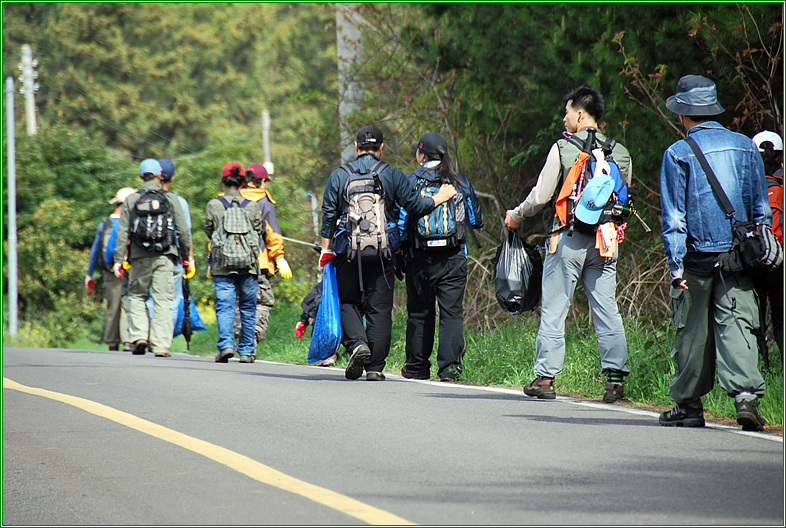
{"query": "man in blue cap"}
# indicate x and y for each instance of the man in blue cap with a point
(152, 235)
(715, 311)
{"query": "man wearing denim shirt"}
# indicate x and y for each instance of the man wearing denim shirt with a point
(715, 312)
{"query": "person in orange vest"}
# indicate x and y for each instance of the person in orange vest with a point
(769, 285)
(271, 244)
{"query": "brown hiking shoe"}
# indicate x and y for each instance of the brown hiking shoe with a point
(614, 392)
(542, 388)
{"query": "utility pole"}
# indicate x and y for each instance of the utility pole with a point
(268, 164)
(12, 263)
(30, 87)
(350, 89)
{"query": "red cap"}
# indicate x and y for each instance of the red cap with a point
(259, 171)
(228, 169)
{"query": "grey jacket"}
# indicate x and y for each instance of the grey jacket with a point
(127, 218)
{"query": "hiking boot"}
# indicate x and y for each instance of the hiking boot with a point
(127, 347)
(688, 414)
(614, 392)
(357, 362)
(114, 348)
(224, 355)
(140, 347)
(748, 415)
(327, 362)
(411, 375)
(163, 353)
(247, 358)
(541, 388)
(375, 376)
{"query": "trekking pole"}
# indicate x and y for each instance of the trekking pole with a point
(643, 223)
(186, 327)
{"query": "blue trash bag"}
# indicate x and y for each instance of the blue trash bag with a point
(197, 325)
(326, 334)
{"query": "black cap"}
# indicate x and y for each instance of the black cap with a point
(370, 136)
(430, 143)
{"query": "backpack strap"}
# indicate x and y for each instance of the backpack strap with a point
(227, 204)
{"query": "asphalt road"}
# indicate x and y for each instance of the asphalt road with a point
(104, 438)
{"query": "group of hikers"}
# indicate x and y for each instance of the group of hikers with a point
(379, 223)
(149, 236)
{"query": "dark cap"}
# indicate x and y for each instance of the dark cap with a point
(257, 170)
(167, 169)
(370, 136)
(430, 143)
(696, 96)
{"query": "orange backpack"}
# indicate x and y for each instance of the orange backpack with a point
(775, 194)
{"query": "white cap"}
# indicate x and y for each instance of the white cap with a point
(772, 137)
(121, 195)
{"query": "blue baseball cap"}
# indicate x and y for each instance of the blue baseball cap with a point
(149, 165)
(594, 198)
(167, 169)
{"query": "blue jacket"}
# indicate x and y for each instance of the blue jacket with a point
(693, 218)
(96, 261)
(465, 189)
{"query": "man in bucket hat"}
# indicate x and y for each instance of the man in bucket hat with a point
(714, 311)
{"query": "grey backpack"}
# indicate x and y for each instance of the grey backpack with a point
(235, 244)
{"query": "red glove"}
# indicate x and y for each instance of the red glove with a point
(327, 256)
(300, 329)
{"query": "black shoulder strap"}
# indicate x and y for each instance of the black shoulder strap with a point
(350, 169)
(379, 167)
(716, 186)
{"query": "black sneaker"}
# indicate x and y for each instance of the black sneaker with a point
(614, 392)
(541, 388)
(688, 414)
(411, 375)
(748, 415)
(357, 362)
(140, 347)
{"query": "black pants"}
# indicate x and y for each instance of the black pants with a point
(769, 288)
(436, 279)
(375, 304)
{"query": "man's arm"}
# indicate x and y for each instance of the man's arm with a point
(673, 207)
(541, 194)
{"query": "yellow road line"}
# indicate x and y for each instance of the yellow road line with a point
(238, 462)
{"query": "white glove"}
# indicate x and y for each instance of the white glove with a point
(117, 269)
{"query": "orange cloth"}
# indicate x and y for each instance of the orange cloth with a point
(567, 187)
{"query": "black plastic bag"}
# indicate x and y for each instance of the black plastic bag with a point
(518, 275)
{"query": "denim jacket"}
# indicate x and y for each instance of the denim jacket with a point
(693, 218)
(472, 208)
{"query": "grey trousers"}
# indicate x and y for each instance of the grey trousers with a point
(115, 317)
(576, 259)
(148, 276)
(715, 321)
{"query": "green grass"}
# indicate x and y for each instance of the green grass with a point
(502, 357)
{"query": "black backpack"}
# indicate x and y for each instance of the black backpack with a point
(154, 225)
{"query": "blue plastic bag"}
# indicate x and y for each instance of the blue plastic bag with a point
(197, 325)
(326, 335)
